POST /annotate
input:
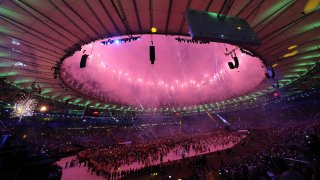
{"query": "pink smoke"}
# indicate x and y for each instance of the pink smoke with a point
(183, 74)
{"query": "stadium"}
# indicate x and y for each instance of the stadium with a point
(159, 89)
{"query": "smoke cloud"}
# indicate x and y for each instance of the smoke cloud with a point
(183, 74)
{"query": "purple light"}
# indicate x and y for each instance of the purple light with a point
(185, 74)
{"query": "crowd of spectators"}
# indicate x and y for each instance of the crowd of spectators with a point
(283, 142)
(285, 152)
(74, 135)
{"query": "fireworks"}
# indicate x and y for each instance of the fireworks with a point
(185, 74)
(24, 107)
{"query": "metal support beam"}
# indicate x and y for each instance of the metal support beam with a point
(137, 15)
(168, 16)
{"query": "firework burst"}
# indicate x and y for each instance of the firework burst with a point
(24, 107)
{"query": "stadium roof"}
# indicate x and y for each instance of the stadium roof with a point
(35, 35)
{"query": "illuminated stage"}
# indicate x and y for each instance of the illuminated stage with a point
(183, 73)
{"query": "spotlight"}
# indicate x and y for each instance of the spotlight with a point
(95, 113)
(270, 72)
(153, 30)
(119, 41)
(191, 41)
(43, 109)
(244, 51)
